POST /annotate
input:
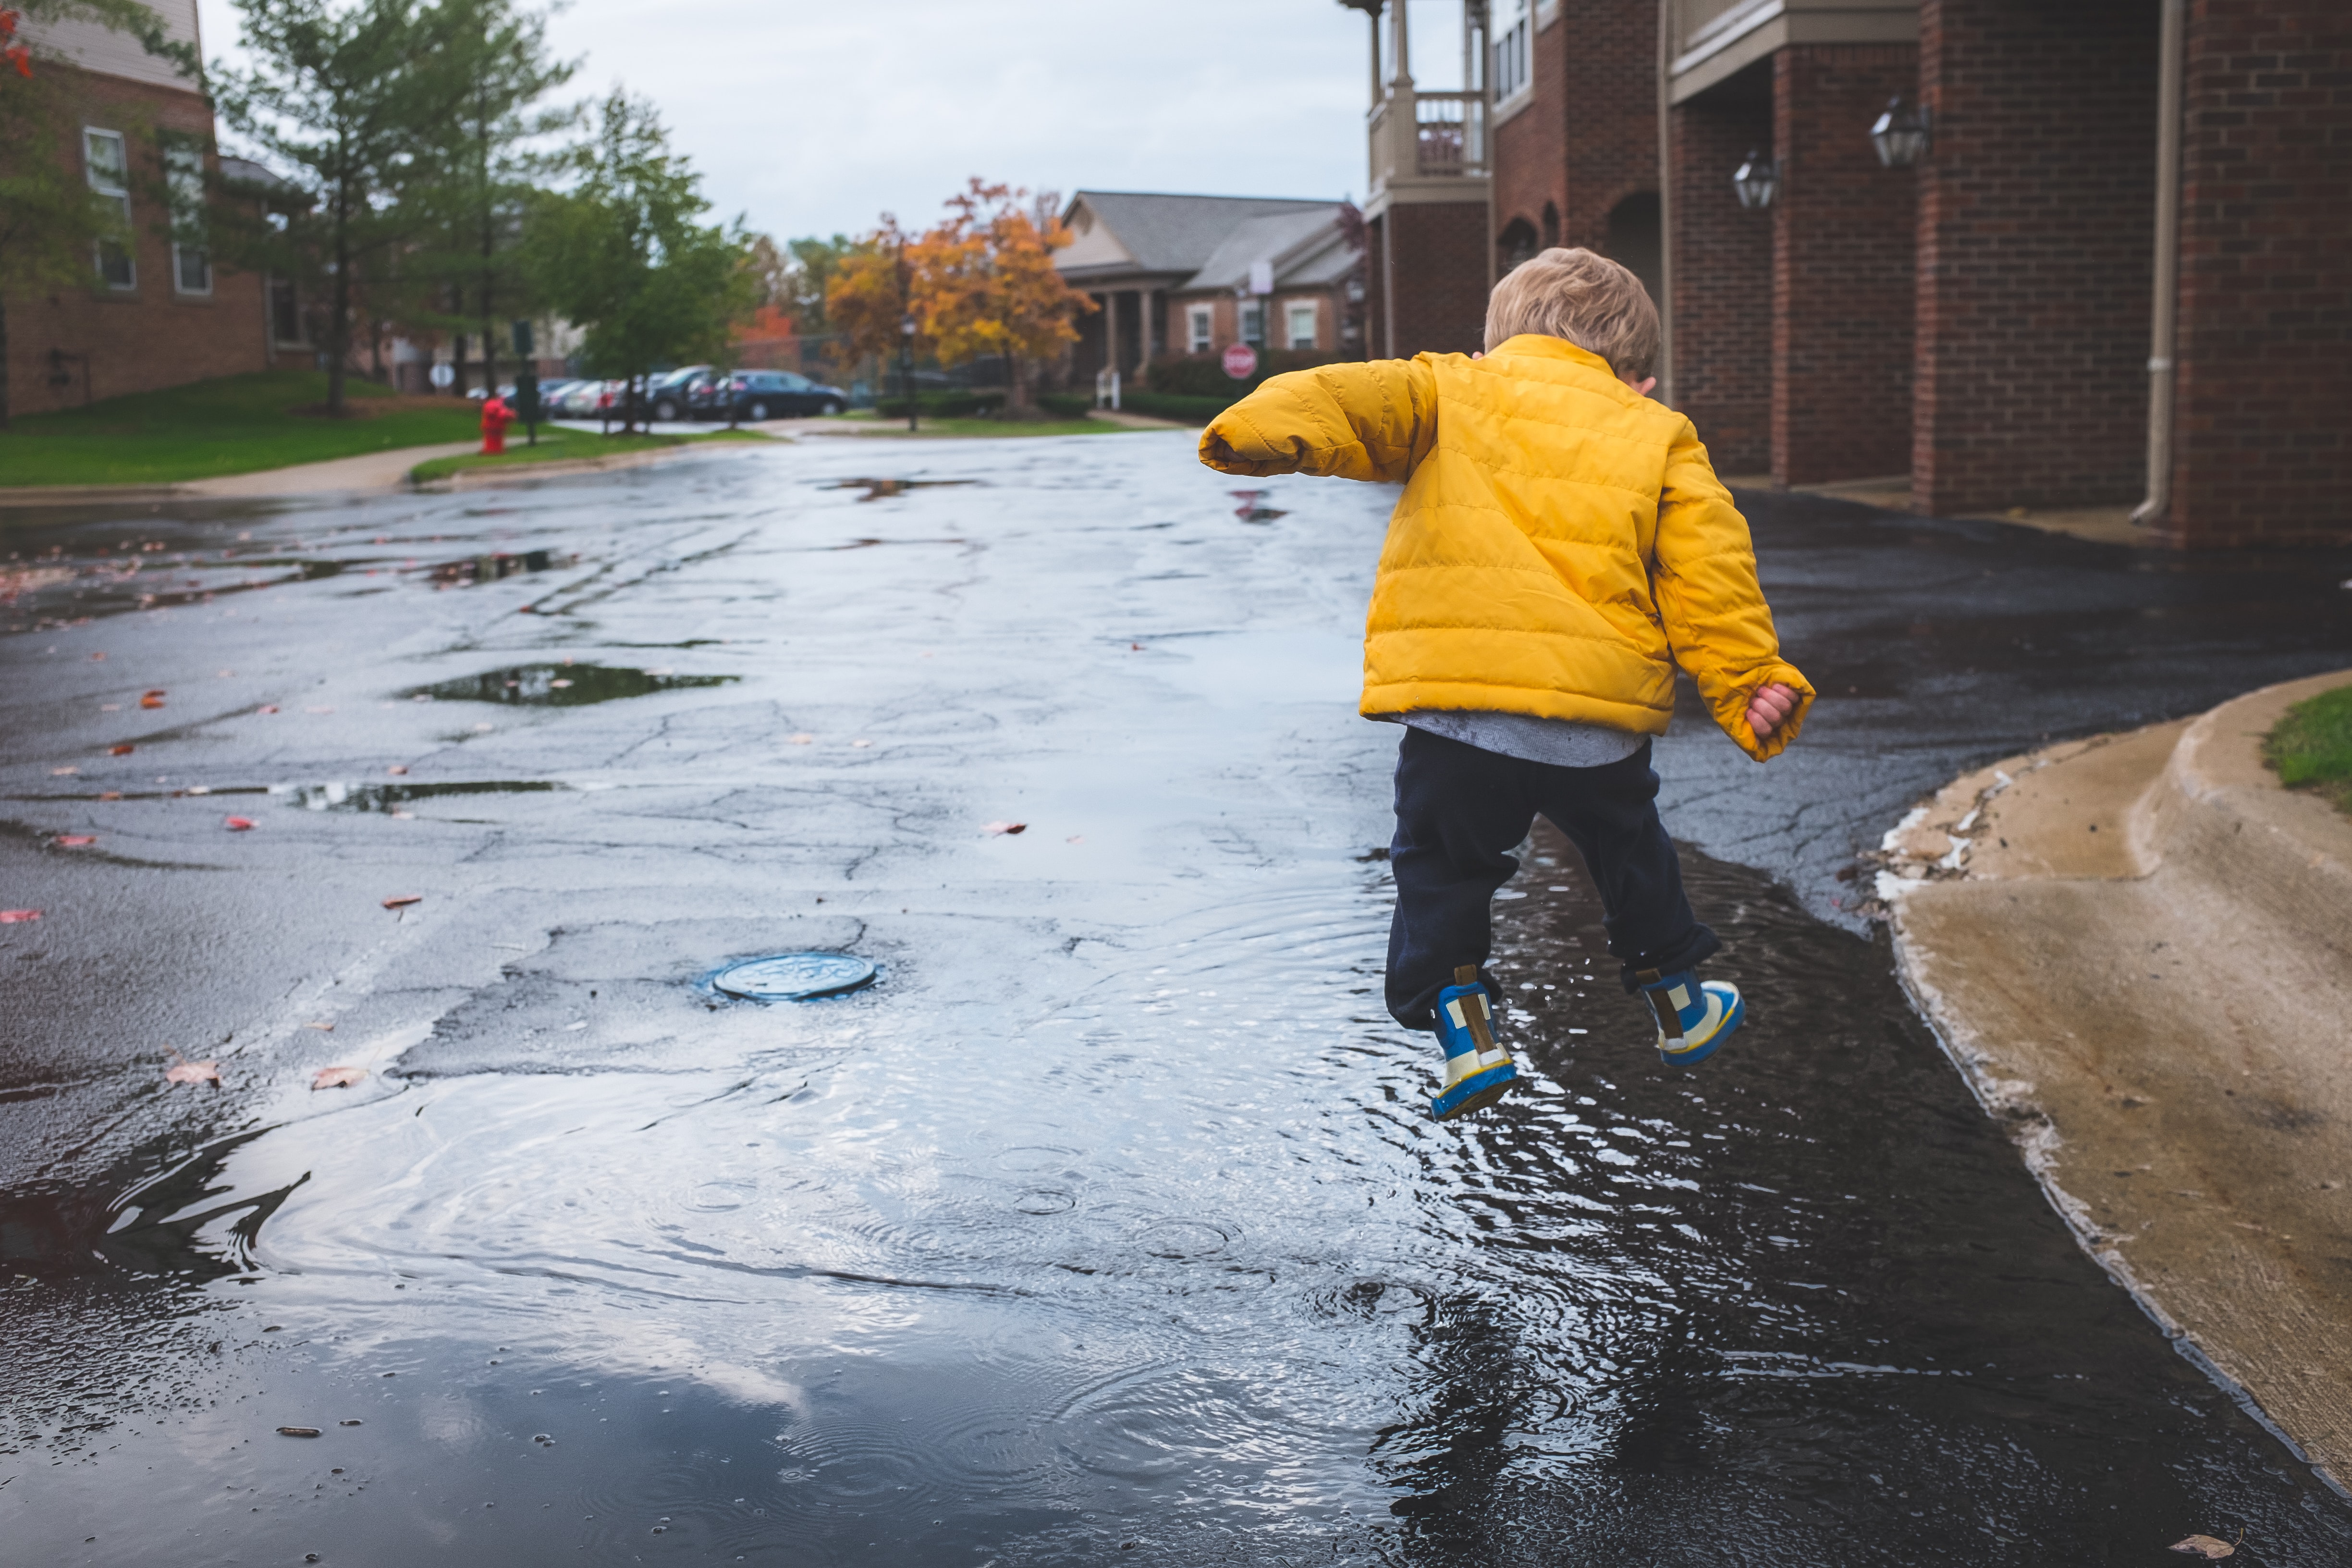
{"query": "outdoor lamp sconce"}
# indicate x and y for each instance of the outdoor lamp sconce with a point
(1757, 180)
(1901, 133)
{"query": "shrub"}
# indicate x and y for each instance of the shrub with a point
(982, 403)
(1066, 405)
(1179, 406)
(1204, 376)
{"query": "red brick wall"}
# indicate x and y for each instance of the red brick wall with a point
(1842, 282)
(1530, 154)
(150, 336)
(1438, 251)
(1723, 280)
(2263, 419)
(2036, 217)
(1608, 55)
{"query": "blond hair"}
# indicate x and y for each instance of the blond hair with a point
(1588, 299)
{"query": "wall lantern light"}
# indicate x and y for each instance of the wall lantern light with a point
(1901, 133)
(1757, 180)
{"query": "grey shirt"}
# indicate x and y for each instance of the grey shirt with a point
(1561, 743)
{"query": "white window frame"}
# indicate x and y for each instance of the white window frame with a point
(118, 194)
(1292, 311)
(1200, 328)
(1256, 305)
(1514, 73)
(183, 171)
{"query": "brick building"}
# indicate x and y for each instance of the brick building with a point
(2116, 272)
(1190, 275)
(153, 313)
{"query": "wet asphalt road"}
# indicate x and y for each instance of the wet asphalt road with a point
(1109, 1215)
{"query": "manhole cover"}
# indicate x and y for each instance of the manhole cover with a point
(793, 976)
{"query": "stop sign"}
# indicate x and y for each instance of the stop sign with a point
(1240, 361)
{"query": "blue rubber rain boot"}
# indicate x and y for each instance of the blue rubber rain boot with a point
(1478, 1072)
(1695, 1017)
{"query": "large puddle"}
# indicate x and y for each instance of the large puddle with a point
(1181, 1268)
(561, 685)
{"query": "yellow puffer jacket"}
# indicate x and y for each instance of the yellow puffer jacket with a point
(1561, 544)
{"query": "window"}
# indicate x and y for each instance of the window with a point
(192, 264)
(1511, 74)
(1197, 329)
(1254, 323)
(285, 313)
(108, 170)
(1299, 323)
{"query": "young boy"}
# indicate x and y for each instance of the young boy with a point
(1562, 544)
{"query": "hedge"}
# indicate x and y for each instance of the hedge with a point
(944, 405)
(1177, 405)
(1204, 376)
(1066, 405)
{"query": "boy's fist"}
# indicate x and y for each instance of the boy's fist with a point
(1771, 708)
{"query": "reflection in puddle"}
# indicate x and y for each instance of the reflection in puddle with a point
(1253, 508)
(882, 489)
(336, 796)
(561, 685)
(473, 569)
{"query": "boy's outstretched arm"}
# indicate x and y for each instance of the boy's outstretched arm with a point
(1714, 610)
(1358, 421)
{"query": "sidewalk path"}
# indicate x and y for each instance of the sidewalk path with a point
(2138, 947)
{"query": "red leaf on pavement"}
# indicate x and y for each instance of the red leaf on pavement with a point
(192, 1072)
(396, 769)
(151, 700)
(237, 824)
(76, 841)
(402, 901)
(1006, 827)
(19, 916)
(266, 708)
(119, 750)
(336, 1077)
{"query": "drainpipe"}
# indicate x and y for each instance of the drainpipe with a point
(1666, 203)
(2164, 315)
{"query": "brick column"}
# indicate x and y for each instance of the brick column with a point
(2036, 220)
(1723, 281)
(2262, 421)
(1843, 239)
(1439, 252)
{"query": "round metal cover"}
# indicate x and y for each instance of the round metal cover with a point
(793, 976)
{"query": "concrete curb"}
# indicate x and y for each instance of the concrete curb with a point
(2137, 950)
(528, 473)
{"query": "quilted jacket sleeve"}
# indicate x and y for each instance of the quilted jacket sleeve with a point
(1715, 618)
(1355, 421)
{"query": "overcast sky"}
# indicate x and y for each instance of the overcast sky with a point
(814, 118)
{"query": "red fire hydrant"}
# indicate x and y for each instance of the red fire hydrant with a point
(496, 417)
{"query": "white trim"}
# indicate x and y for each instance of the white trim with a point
(184, 165)
(121, 194)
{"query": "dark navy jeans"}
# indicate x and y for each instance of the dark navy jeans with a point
(1461, 811)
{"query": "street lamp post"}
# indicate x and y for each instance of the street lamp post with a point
(906, 367)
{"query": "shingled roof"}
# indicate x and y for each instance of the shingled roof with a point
(1135, 232)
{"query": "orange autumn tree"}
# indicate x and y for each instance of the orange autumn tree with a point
(986, 283)
(874, 289)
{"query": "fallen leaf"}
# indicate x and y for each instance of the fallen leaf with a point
(861, 745)
(1135, 648)
(1076, 839)
(266, 708)
(2205, 1546)
(559, 684)
(237, 824)
(76, 841)
(336, 1077)
(192, 1072)
(322, 1029)
(1006, 827)
(318, 709)
(63, 772)
(151, 700)
(484, 728)
(119, 750)
(19, 916)
(109, 794)
(396, 770)
(200, 789)
(402, 901)
(298, 1431)
(804, 740)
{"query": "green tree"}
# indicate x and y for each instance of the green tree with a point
(353, 96)
(52, 222)
(624, 256)
(487, 161)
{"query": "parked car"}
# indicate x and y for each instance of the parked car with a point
(758, 395)
(670, 395)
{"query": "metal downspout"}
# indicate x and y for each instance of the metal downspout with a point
(2164, 313)
(1666, 203)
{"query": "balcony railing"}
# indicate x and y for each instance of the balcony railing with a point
(1450, 133)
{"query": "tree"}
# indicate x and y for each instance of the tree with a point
(352, 96)
(625, 256)
(52, 222)
(988, 283)
(870, 292)
(485, 160)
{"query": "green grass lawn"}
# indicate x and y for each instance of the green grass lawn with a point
(2312, 746)
(866, 423)
(233, 426)
(559, 445)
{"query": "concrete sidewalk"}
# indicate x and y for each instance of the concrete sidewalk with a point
(2138, 950)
